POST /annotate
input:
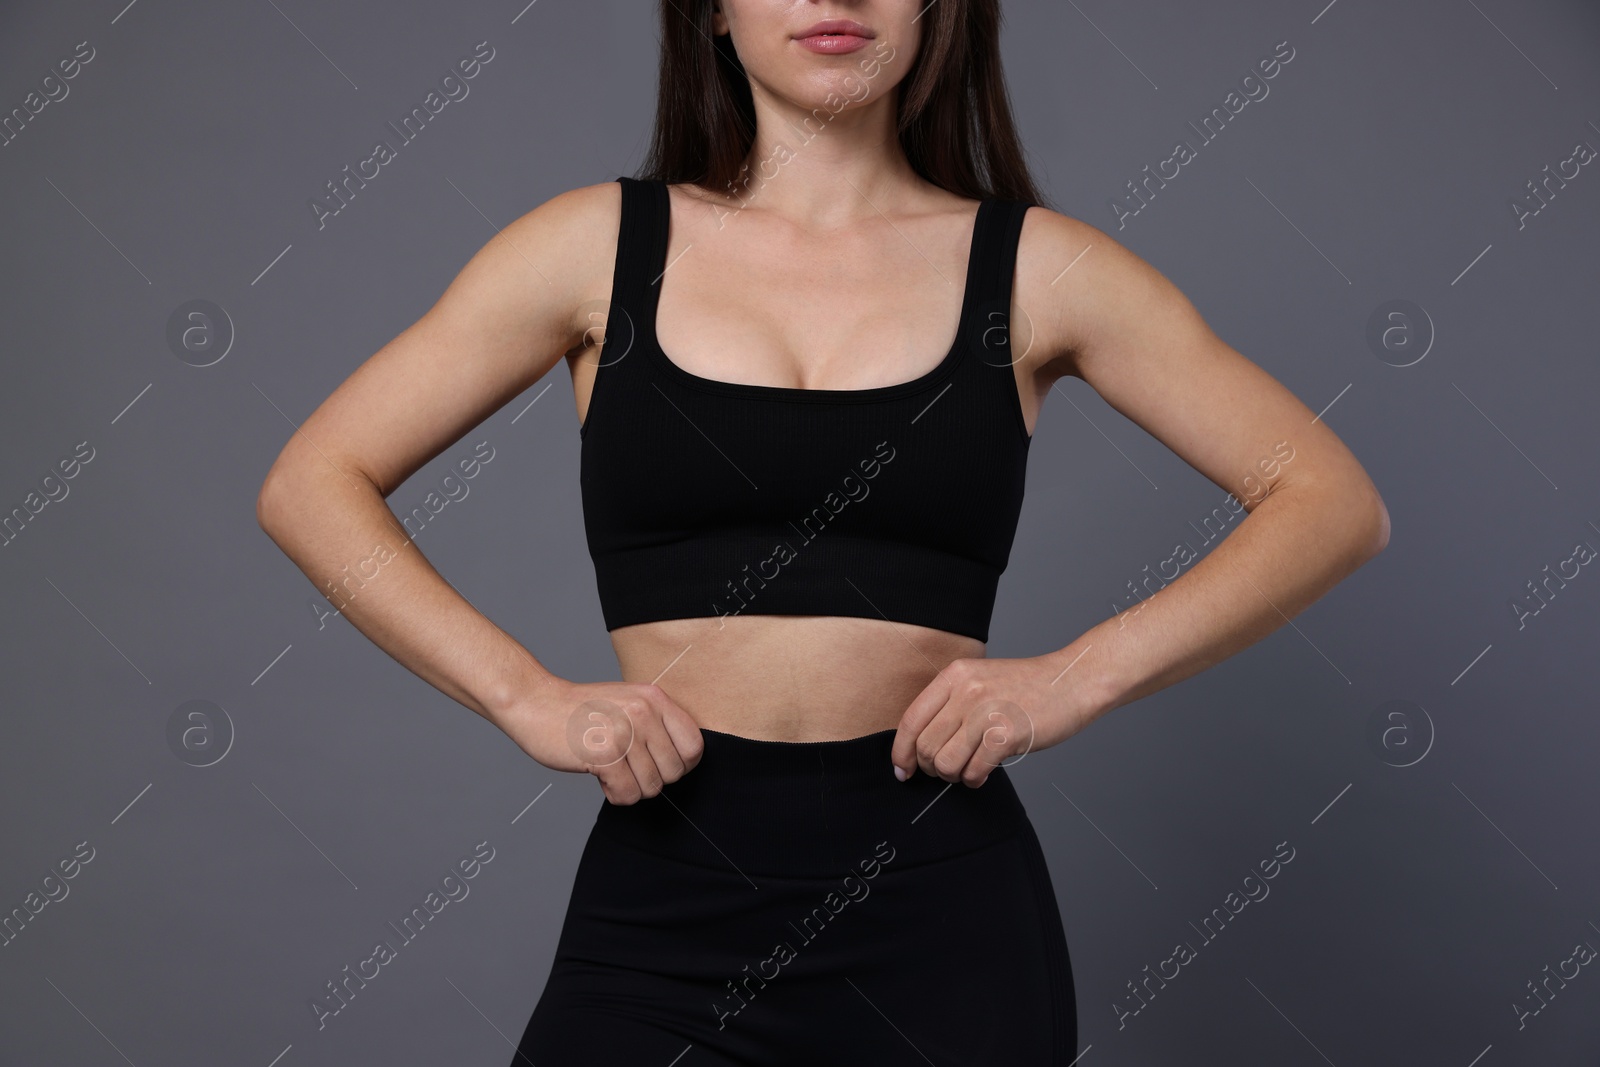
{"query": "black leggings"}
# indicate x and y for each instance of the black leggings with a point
(794, 903)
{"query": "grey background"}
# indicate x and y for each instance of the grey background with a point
(1421, 898)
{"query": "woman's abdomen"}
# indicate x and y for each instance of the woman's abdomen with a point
(789, 677)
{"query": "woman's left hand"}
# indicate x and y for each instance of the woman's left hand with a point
(978, 713)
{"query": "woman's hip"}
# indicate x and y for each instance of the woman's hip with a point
(778, 884)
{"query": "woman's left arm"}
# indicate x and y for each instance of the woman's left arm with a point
(1314, 515)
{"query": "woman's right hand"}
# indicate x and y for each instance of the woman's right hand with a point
(630, 735)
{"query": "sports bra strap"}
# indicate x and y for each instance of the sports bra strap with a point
(994, 254)
(641, 249)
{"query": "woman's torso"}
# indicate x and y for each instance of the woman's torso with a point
(750, 299)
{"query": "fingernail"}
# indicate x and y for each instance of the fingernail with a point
(898, 773)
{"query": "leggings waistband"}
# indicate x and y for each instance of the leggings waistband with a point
(800, 808)
(865, 755)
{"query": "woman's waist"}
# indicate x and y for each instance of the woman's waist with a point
(807, 678)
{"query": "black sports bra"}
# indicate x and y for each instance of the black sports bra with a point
(709, 498)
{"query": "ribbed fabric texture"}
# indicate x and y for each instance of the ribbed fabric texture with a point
(706, 498)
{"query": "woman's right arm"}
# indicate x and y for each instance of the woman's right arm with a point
(502, 324)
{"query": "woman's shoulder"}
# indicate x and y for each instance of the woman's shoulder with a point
(581, 215)
(1070, 277)
(568, 239)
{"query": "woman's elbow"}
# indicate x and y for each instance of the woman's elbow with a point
(1356, 521)
(267, 511)
(272, 498)
(1378, 539)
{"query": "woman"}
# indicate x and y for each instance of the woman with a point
(798, 519)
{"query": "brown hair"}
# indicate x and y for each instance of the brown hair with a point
(954, 113)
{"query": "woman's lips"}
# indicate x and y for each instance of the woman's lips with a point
(833, 44)
(833, 37)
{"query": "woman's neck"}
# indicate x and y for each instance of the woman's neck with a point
(824, 167)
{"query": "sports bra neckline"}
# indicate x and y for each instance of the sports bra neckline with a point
(652, 343)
